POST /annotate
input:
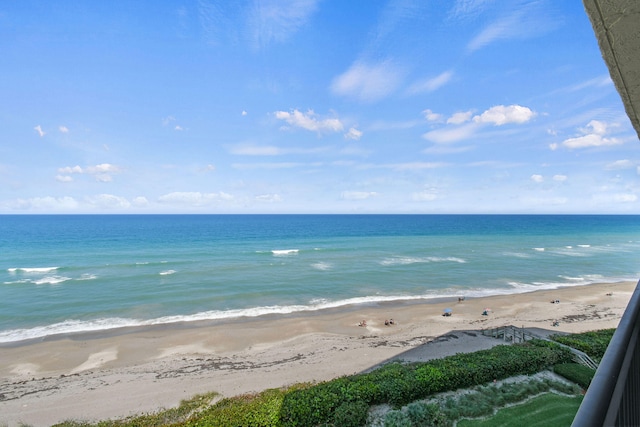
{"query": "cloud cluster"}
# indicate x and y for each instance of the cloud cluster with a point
(593, 135)
(102, 172)
(463, 125)
(311, 122)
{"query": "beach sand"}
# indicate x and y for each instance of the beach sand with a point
(131, 371)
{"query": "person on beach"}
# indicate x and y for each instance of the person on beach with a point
(363, 323)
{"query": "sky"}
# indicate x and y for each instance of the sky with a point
(310, 106)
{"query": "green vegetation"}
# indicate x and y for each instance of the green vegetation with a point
(576, 373)
(593, 343)
(398, 384)
(547, 410)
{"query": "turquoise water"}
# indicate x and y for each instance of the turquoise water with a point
(62, 274)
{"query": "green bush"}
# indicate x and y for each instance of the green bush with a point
(579, 374)
(351, 414)
(593, 343)
(397, 419)
(399, 384)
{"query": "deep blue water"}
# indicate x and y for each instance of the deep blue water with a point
(65, 273)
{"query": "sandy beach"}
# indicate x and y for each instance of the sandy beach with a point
(124, 372)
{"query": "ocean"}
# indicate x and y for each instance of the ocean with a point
(62, 274)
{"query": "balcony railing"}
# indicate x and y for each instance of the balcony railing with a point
(613, 398)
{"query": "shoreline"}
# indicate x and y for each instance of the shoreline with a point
(394, 303)
(112, 374)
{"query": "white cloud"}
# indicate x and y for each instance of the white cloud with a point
(140, 201)
(459, 117)
(39, 130)
(108, 201)
(178, 128)
(527, 20)
(560, 178)
(424, 196)
(353, 134)
(309, 121)
(64, 178)
(503, 28)
(368, 83)
(593, 135)
(537, 178)
(501, 114)
(460, 129)
(431, 116)
(193, 198)
(47, 203)
(69, 169)
(101, 172)
(448, 135)
(102, 168)
(244, 113)
(462, 8)
(277, 20)
(357, 195)
(431, 84)
(620, 164)
(63, 129)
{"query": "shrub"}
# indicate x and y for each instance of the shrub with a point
(397, 419)
(399, 384)
(593, 343)
(351, 414)
(579, 374)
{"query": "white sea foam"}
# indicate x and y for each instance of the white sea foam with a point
(167, 272)
(418, 260)
(538, 249)
(323, 266)
(87, 276)
(517, 254)
(32, 270)
(76, 326)
(51, 280)
(284, 252)
(584, 246)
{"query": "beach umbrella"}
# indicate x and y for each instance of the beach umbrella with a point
(447, 310)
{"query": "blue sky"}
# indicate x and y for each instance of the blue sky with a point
(332, 106)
